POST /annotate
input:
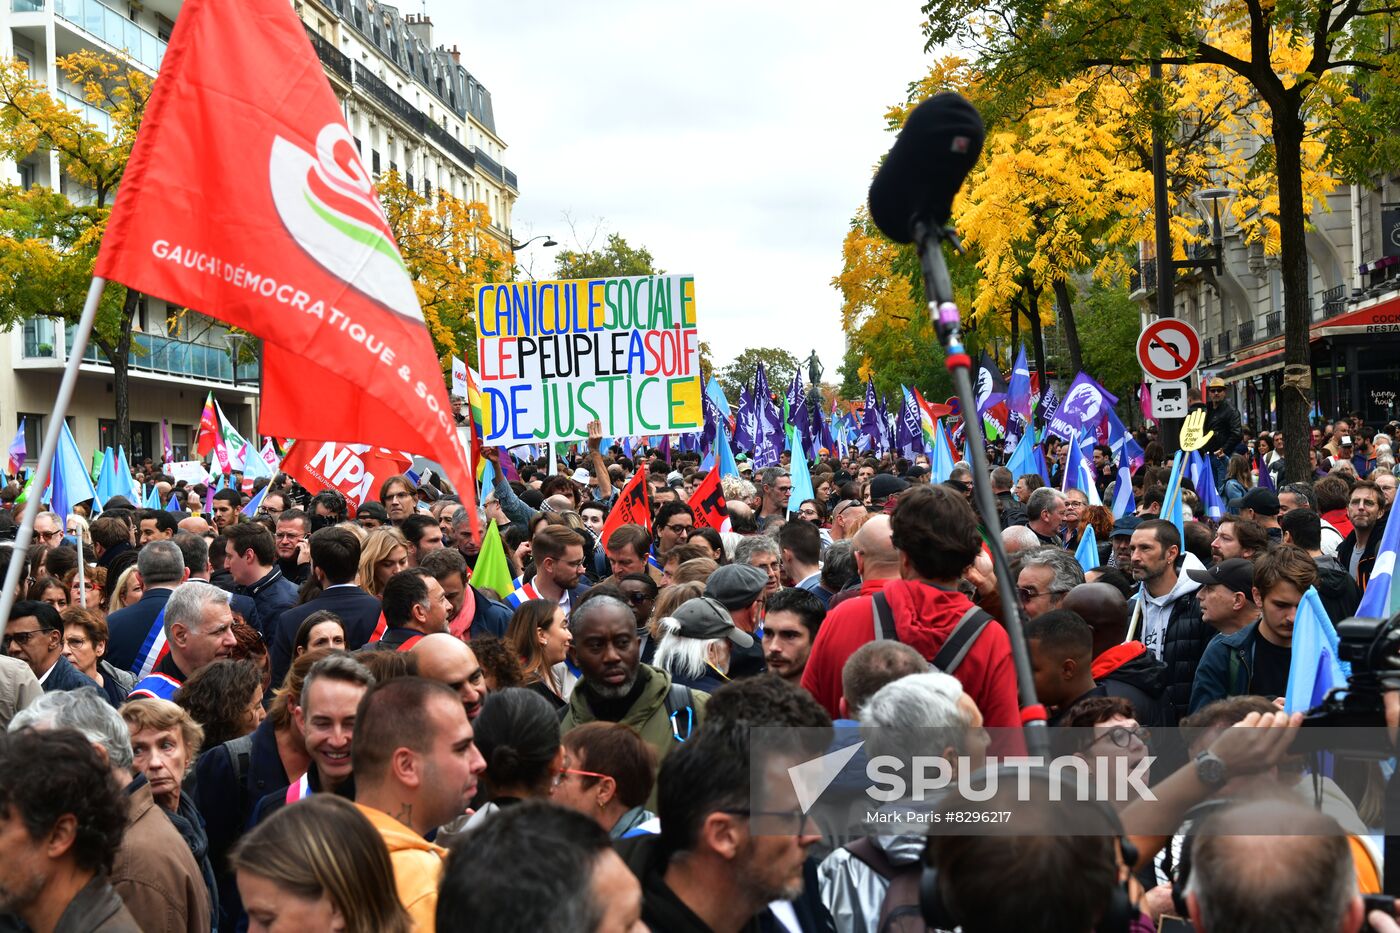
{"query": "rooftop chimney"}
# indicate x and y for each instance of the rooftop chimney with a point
(456, 54)
(420, 26)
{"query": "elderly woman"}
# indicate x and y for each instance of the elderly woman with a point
(696, 643)
(165, 741)
(84, 644)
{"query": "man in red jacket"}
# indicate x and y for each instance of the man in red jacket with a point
(935, 533)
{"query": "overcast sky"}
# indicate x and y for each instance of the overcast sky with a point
(734, 140)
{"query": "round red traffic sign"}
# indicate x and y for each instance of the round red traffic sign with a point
(1169, 350)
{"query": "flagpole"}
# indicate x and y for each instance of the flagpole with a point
(41, 472)
(82, 582)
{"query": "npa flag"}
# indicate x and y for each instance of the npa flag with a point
(707, 502)
(245, 197)
(354, 469)
(632, 506)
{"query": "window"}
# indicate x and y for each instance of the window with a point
(374, 161)
(33, 434)
(180, 441)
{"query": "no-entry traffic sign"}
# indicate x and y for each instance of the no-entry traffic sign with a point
(1169, 350)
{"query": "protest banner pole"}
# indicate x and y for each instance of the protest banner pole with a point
(947, 322)
(46, 453)
(82, 581)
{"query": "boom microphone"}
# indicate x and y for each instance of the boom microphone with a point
(938, 146)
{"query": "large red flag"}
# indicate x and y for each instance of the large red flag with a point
(246, 199)
(707, 504)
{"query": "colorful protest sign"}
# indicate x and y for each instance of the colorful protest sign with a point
(554, 356)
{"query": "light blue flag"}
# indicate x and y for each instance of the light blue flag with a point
(488, 479)
(151, 500)
(255, 467)
(941, 462)
(124, 473)
(1315, 667)
(800, 472)
(71, 482)
(716, 394)
(1171, 502)
(1088, 551)
(109, 484)
(1040, 462)
(1124, 502)
(727, 464)
(1379, 600)
(174, 504)
(1023, 457)
(251, 508)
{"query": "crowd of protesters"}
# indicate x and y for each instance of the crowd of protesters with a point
(313, 717)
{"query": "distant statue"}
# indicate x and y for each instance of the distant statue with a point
(814, 369)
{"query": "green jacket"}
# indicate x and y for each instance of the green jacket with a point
(649, 715)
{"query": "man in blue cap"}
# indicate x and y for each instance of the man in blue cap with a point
(1122, 538)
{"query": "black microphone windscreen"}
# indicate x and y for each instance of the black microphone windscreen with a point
(937, 147)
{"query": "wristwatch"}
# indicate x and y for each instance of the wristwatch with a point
(1210, 769)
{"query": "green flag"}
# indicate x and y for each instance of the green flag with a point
(492, 569)
(96, 464)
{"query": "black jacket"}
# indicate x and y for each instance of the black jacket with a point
(1338, 591)
(64, 676)
(356, 608)
(1368, 556)
(1186, 639)
(190, 823)
(1143, 682)
(1224, 421)
(273, 595)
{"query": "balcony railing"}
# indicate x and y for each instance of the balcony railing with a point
(1334, 301)
(1246, 333)
(26, 6)
(1273, 323)
(1143, 276)
(104, 23)
(386, 95)
(1206, 353)
(150, 353)
(330, 56)
(93, 114)
(1224, 343)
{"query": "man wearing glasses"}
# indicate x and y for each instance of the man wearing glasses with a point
(777, 490)
(35, 636)
(1223, 419)
(48, 529)
(673, 523)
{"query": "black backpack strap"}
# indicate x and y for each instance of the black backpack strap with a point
(884, 618)
(960, 640)
(680, 705)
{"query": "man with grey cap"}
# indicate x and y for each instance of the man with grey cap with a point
(738, 587)
(697, 642)
(1122, 538)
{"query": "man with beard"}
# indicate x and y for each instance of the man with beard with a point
(614, 686)
(789, 627)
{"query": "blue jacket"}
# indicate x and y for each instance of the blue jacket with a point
(64, 676)
(1226, 668)
(357, 609)
(273, 595)
(491, 617)
(127, 628)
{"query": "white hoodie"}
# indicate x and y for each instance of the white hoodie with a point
(1156, 611)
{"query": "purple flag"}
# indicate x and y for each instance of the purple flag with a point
(1083, 404)
(744, 417)
(768, 435)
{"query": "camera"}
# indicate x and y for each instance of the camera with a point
(1372, 647)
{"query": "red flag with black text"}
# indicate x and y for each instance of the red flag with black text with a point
(631, 508)
(245, 199)
(707, 502)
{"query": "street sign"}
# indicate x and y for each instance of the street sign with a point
(1169, 349)
(1168, 399)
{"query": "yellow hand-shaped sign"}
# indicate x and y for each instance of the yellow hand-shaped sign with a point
(1191, 436)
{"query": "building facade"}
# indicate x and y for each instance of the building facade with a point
(1353, 248)
(411, 106)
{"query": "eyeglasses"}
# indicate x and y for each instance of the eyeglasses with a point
(637, 599)
(75, 642)
(20, 638)
(1123, 737)
(559, 777)
(783, 488)
(783, 822)
(678, 529)
(49, 535)
(1026, 594)
(288, 536)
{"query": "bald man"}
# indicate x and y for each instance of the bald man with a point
(1123, 669)
(1017, 538)
(877, 561)
(195, 525)
(448, 660)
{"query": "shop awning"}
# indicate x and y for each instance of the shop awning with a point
(1255, 365)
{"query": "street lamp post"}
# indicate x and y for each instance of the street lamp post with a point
(235, 344)
(548, 241)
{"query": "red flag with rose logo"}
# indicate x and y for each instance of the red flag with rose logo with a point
(246, 199)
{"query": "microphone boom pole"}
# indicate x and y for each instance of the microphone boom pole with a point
(938, 288)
